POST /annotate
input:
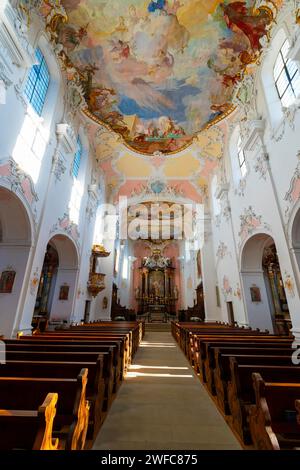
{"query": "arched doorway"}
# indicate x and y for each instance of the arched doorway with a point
(57, 286)
(15, 244)
(263, 286)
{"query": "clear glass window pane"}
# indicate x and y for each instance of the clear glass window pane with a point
(37, 83)
(77, 158)
(285, 49)
(282, 84)
(287, 77)
(279, 64)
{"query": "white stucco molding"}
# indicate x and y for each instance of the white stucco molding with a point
(13, 35)
(222, 190)
(294, 52)
(67, 137)
(256, 129)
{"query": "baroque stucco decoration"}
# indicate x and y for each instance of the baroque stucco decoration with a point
(250, 223)
(158, 72)
(65, 224)
(19, 182)
(293, 193)
(222, 251)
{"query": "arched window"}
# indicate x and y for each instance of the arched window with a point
(38, 83)
(77, 158)
(241, 157)
(286, 76)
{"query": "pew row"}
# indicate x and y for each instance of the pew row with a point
(29, 430)
(272, 419)
(71, 422)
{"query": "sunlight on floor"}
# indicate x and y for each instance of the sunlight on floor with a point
(138, 366)
(146, 344)
(131, 375)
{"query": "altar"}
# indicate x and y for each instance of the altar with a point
(157, 313)
(157, 293)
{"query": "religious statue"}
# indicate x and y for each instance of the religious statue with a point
(156, 289)
(137, 293)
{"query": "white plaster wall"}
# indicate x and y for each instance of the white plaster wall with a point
(264, 188)
(12, 257)
(53, 191)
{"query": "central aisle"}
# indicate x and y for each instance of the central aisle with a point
(163, 405)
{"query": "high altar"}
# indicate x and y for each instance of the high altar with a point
(157, 293)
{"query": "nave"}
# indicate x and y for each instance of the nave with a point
(127, 385)
(163, 405)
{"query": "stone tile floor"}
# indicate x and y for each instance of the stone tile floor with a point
(163, 405)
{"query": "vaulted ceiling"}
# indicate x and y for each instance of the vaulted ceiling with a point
(159, 71)
(158, 77)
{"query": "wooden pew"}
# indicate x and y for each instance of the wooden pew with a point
(29, 430)
(71, 423)
(61, 346)
(241, 393)
(195, 336)
(218, 372)
(95, 390)
(222, 371)
(63, 356)
(272, 424)
(117, 347)
(297, 406)
(86, 337)
(206, 358)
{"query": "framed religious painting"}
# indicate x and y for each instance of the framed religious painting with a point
(64, 292)
(255, 294)
(7, 281)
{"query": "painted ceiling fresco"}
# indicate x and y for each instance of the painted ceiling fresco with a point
(158, 72)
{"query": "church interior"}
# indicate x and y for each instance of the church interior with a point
(150, 225)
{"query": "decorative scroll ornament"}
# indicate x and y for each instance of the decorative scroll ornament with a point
(96, 283)
(261, 166)
(156, 261)
(250, 222)
(158, 187)
(293, 193)
(222, 251)
(240, 190)
(64, 223)
(19, 181)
